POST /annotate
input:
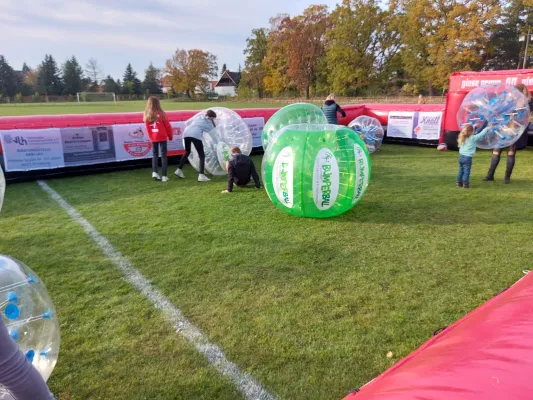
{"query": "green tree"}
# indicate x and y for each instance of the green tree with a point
(276, 62)
(152, 80)
(306, 44)
(360, 44)
(110, 85)
(190, 70)
(48, 80)
(441, 37)
(29, 80)
(25, 68)
(255, 52)
(224, 69)
(8, 79)
(72, 77)
(504, 49)
(131, 84)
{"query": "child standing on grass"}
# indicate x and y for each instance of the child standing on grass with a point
(159, 131)
(467, 148)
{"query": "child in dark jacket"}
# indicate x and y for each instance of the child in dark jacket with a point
(241, 170)
(331, 108)
(159, 131)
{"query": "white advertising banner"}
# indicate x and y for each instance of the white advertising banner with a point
(131, 142)
(175, 146)
(26, 150)
(256, 126)
(401, 124)
(88, 145)
(429, 126)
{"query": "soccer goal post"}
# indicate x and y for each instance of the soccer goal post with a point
(95, 96)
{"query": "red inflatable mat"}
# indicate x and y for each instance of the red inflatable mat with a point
(487, 355)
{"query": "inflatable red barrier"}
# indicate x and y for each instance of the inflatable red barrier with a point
(487, 355)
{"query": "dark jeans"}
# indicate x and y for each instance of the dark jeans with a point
(156, 146)
(465, 165)
(198, 144)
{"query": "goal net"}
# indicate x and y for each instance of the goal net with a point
(95, 96)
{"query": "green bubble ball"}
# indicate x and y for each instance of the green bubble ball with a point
(300, 113)
(316, 170)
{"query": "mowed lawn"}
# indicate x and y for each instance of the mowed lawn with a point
(308, 307)
(119, 107)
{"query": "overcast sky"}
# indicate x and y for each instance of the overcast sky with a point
(116, 32)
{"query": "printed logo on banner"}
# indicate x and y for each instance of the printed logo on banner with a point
(361, 172)
(131, 142)
(27, 150)
(18, 140)
(283, 177)
(429, 125)
(138, 148)
(325, 179)
(175, 146)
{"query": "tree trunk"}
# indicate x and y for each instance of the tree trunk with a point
(307, 92)
(430, 89)
(188, 93)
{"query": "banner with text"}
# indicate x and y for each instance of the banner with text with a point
(26, 150)
(414, 125)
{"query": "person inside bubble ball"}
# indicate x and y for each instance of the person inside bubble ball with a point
(17, 374)
(241, 170)
(331, 108)
(193, 135)
(520, 144)
(467, 148)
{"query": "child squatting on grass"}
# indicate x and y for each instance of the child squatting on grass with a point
(159, 130)
(467, 148)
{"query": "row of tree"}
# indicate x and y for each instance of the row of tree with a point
(71, 78)
(368, 46)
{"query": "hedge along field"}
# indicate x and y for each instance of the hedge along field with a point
(138, 106)
(119, 107)
(311, 308)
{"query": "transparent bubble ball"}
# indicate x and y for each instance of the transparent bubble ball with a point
(501, 107)
(370, 131)
(230, 131)
(29, 315)
(294, 114)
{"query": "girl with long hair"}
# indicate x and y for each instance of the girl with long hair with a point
(159, 131)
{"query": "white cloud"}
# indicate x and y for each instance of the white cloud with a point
(119, 31)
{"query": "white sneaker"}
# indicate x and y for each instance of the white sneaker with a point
(156, 176)
(164, 179)
(179, 173)
(203, 178)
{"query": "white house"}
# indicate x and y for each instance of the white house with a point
(228, 84)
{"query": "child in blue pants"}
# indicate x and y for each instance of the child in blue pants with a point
(467, 148)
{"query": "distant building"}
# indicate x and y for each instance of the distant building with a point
(165, 84)
(228, 84)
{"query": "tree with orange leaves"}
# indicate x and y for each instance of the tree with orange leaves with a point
(190, 70)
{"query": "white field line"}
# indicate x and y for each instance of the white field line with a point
(245, 383)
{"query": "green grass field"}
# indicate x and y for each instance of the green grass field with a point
(110, 107)
(308, 307)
